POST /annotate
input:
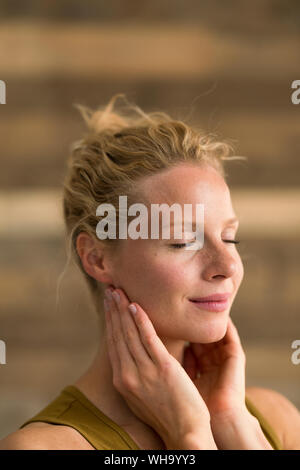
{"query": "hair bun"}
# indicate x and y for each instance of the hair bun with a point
(104, 119)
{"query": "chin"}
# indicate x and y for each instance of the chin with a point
(211, 332)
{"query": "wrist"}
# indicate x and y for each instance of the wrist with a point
(239, 430)
(199, 442)
(195, 441)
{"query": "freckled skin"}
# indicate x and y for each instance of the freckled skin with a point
(161, 278)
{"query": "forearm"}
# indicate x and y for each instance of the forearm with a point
(239, 432)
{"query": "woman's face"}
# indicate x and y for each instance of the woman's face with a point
(162, 278)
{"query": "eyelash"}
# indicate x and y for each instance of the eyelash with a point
(181, 245)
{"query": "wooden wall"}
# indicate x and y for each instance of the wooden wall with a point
(231, 68)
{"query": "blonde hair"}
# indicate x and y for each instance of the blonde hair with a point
(119, 149)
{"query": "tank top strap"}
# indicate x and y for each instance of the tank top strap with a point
(72, 408)
(265, 426)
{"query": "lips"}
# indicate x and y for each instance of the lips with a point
(212, 303)
(213, 298)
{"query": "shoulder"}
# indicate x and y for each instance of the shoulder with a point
(280, 413)
(44, 436)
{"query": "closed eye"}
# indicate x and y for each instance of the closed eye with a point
(183, 245)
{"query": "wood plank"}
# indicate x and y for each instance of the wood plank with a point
(265, 213)
(134, 50)
(205, 95)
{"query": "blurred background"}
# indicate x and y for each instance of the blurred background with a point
(228, 65)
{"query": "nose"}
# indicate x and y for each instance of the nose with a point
(220, 262)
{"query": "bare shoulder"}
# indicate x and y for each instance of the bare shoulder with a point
(280, 413)
(44, 436)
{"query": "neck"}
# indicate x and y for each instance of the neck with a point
(97, 383)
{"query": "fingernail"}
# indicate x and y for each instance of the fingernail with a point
(105, 305)
(116, 296)
(108, 293)
(132, 308)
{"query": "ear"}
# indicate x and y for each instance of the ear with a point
(95, 258)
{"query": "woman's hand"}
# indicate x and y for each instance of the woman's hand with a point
(222, 372)
(222, 386)
(154, 384)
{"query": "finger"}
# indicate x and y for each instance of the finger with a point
(232, 341)
(201, 349)
(126, 364)
(190, 363)
(131, 332)
(151, 341)
(232, 334)
(206, 355)
(114, 358)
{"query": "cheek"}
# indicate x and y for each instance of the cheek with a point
(150, 280)
(169, 270)
(161, 277)
(136, 274)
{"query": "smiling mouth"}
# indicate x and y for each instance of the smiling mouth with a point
(211, 305)
(213, 297)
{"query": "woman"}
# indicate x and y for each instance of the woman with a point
(171, 375)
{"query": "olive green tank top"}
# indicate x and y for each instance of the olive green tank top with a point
(72, 408)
